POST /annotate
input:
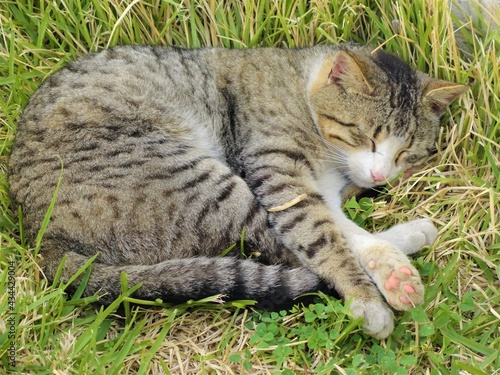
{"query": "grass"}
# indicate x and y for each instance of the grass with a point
(457, 331)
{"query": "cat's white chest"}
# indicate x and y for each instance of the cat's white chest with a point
(330, 184)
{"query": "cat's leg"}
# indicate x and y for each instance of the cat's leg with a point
(391, 270)
(383, 257)
(410, 237)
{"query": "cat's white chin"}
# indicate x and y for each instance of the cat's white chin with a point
(364, 183)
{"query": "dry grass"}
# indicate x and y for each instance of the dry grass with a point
(456, 332)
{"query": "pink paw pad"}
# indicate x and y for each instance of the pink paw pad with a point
(392, 282)
(409, 289)
(405, 300)
(406, 271)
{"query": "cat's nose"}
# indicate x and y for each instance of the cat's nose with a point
(378, 176)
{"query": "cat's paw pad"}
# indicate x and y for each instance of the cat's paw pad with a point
(379, 319)
(398, 281)
(412, 236)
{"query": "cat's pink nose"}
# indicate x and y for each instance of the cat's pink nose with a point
(378, 176)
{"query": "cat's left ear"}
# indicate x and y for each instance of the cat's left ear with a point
(439, 94)
(349, 73)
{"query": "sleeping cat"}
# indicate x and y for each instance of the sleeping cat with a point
(167, 154)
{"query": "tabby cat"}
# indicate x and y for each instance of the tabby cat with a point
(166, 154)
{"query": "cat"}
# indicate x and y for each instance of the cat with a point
(167, 154)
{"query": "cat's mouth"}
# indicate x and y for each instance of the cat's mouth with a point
(366, 183)
(370, 182)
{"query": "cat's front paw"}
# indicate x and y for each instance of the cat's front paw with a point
(412, 236)
(379, 319)
(398, 281)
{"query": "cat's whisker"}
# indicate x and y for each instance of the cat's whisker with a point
(331, 156)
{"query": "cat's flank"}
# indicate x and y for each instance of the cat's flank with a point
(167, 154)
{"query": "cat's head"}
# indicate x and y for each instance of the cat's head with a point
(379, 116)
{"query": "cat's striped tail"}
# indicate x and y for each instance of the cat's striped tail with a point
(180, 280)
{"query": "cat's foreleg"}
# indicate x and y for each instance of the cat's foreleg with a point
(397, 279)
(383, 257)
(410, 237)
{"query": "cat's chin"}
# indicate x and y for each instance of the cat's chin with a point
(365, 183)
(374, 185)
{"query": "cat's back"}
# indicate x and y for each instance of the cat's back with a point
(151, 81)
(119, 94)
(119, 81)
(147, 82)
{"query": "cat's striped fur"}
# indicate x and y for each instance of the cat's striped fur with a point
(167, 154)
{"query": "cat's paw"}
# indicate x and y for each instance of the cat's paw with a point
(379, 319)
(398, 281)
(412, 236)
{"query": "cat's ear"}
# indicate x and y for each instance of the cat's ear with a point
(348, 73)
(439, 94)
